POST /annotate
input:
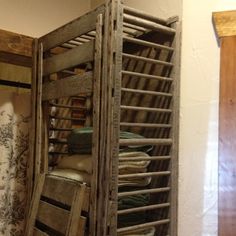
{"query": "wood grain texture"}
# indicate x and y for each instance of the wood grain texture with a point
(71, 86)
(15, 43)
(71, 58)
(225, 23)
(227, 138)
(38, 232)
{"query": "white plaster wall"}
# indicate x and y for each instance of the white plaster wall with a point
(38, 17)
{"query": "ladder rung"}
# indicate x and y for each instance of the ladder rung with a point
(146, 141)
(143, 208)
(67, 118)
(145, 125)
(144, 191)
(143, 226)
(148, 60)
(153, 158)
(146, 92)
(148, 174)
(146, 76)
(67, 106)
(55, 140)
(148, 109)
(147, 43)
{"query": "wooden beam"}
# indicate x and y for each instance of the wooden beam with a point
(15, 43)
(67, 87)
(225, 23)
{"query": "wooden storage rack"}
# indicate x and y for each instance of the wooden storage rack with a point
(114, 69)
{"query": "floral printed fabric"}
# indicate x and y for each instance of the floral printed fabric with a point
(14, 122)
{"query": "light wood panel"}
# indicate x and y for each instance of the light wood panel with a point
(227, 138)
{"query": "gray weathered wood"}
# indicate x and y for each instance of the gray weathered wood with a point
(70, 86)
(146, 92)
(71, 30)
(70, 58)
(145, 125)
(148, 109)
(148, 174)
(52, 216)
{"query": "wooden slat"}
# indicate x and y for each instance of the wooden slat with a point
(143, 191)
(147, 109)
(15, 59)
(70, 58)
(38, 232)
(148, 24)
(15, 43)
(145, 125)
(143, 208)
(143, 226)
(82, 226)
(225, 23)
(148, 60)
(53, 104)
(147, 43)
(70, 86)
(62, 190)
(144, 15)
(148, 174)
(146, 141)
(146, 76)
(52, 216)
(146, 92)
(71, 30)
(151, 158)
(67, 118)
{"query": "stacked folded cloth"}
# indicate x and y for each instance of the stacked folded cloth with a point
(78, 166)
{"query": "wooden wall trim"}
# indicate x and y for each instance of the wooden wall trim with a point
(225, 23)
(15, 48)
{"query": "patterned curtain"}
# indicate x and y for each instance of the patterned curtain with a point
(14, 139)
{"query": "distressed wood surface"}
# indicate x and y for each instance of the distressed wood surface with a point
(71, 30)
(227, 138)
(68, 59)
(70, 86)
(15, 43)
(225, 23)
(54, 217)
(38, 232)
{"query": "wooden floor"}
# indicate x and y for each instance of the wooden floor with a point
(227, 139)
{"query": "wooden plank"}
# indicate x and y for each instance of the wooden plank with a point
(15, 59)
(34, 205)
(15, 43)
(38, 232)
(146, 92)
(147, 109)
(70, 58)
(225, 23)
(82, 226)
(145, 125)
(67, 87)
(96, 124)
(54, 217)
(62, 190)
(148, 174)
(75, 212)
(227, 137)
(144, 15)
(143, 226)
(71, 30)
(146, 141)
(148, 24)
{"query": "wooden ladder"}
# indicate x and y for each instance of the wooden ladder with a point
(56, 207)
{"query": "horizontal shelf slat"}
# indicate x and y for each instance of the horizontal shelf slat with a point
(147, 43)
(148, 60)
(148, 24)
(143, 208)
(148, 109)
(59, 141)
(67, 118)
(61, 129)
(70, 58)
(145, 125)
(143, 226)
(144, 191)
(146, 92)
(153, 158)
(146, 141)
(148, 174)
(146, 76)
(67, 106)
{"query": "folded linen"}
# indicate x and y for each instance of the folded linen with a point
(80, 141)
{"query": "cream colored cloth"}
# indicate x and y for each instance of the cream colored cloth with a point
(80, 176)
